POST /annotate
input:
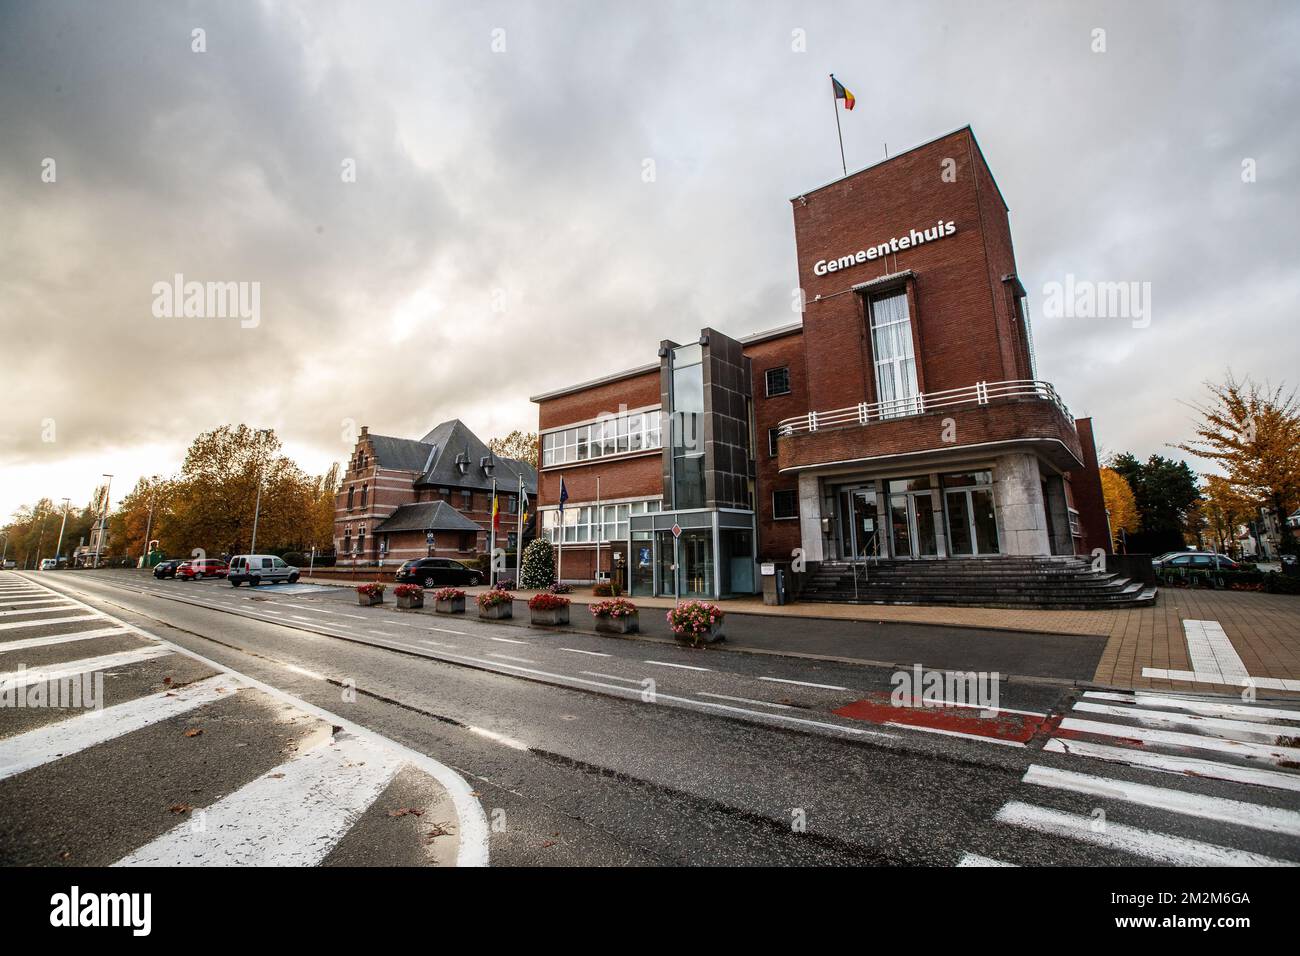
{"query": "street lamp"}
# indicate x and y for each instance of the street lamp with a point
(103, 519)
(148, 527)
(58, 548)
(257, 508)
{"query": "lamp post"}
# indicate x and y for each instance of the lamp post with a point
(148, 527)
(103, 519)
(58, 548)
(257, 508)
(40, 542)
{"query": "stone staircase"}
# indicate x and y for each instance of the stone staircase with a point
(995, 581)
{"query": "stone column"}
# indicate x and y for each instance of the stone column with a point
(810, 519)
(1018, 497)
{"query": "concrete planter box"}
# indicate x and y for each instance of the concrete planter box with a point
(629, 624)
(410, 602)
(559, 615)
(712, 636)
(369, 600)
(456, 606)
(497, 613)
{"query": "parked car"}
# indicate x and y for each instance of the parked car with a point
(10, 564)
(166, 569)
(259, 569)
(1196, 561)
(49, 564)
(200, 569)
(433, 572)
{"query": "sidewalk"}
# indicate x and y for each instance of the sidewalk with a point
(1109, 647)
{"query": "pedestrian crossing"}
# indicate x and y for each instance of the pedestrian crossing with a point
(1156, 779)
(228, 771)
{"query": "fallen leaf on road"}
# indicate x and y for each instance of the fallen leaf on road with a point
(180, 808)
(404, 811)
(193, 731)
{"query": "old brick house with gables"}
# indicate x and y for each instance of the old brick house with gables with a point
(895, 445)
(397, 492)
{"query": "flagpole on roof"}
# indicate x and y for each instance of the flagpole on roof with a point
(836, 107)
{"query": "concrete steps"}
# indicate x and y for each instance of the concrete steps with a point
(1010, 582)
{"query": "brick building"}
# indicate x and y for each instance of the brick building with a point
(402, 498)
(901, 420)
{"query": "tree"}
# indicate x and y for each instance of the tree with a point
(1253, 432)
(216, 495)
(325, 489)
(1121, 507)
(1224, 511)
(1165, 492)
(520, 445)
(538, 568)
(143, 511)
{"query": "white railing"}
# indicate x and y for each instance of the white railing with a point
(981, 393)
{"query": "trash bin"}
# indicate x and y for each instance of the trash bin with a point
(1290, 565)
(773, 583)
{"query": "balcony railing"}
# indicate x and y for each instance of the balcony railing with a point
(981, 393)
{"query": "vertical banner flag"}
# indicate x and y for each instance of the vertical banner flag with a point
(841, 93)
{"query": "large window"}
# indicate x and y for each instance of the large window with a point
(778, 381)
(688, 426)
(615, 435)
(891, 347)
(586, 524)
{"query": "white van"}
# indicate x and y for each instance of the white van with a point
(49, 564)
(259, 569)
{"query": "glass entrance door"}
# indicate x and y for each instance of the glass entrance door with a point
(911, 518)
(972, 524)
(859, 524)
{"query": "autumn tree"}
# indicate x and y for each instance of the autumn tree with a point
(325, 490)
(143, 511)
(1121, 506)
(520, 445)
(1224, 511)
(216, 494)
(1253, 432)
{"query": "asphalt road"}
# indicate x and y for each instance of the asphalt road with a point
(585, 750)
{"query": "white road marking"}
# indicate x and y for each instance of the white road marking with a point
(473, 849)
(954, 733)
(22, 645)
(38, 610)
(1240, 813)
(507, 657)
(574, 650)
(436, 643)
(926, 702)
(305, 672)
(1214, 726)
(427, 627)
(974, 859)
(359, 617)
(1191, 766)
(685, 667)
(296, 617)
(1177, 851)
(40, 746)
(1264, 752)
(802, 683)
(1192, 677)
(293, 816)
(24, 678)
(506, 640)
(1197, 705)
(34, 600)
(746, 700)
(14, 625)
(630, 680)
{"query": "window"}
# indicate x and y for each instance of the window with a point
(778, 381)
(352, 489)
(772, 435)
(612, 435)
(364, 490)
(586, 524)
(895, 360)
(785, 504)
(466, 500)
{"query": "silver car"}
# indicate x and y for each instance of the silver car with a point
(260, 569)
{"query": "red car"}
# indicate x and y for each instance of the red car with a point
(206, 568)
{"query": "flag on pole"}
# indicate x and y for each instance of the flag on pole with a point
(842, 93)
(523, 503)
(564, 495)
(496, 510)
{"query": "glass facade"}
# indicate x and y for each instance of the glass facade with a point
(903, 517)
(614, 435)
(688, 426)
(583, 524)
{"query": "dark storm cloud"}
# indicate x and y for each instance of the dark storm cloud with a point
(501, 216)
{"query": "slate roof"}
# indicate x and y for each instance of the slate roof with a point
(427, 516)
(433, 458)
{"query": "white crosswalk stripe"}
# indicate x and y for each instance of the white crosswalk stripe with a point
(1134, 772)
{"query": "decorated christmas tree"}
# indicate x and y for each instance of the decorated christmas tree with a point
(538, 570)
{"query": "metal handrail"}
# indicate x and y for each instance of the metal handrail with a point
(981, 393)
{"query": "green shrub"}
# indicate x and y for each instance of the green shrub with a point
(538, 571)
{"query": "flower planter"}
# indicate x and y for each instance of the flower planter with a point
(454, 606)
(712, 636)
(551, 617)
(410, 602)
(497, 612)
(627, 624)
(369, 600)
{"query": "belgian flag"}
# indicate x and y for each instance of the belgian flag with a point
(842, 93)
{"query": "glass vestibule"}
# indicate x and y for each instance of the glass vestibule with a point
(911, 518)
(905, 520)
(972, 522)
(859, 524)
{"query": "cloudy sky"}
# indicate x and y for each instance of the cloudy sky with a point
(501, 237)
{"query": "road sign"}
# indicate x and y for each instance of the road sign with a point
(428, 537)
(677, 531)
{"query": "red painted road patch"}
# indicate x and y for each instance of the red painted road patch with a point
(968, 721)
